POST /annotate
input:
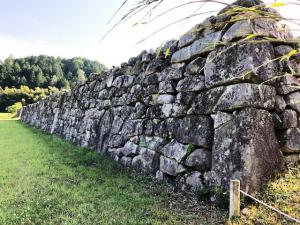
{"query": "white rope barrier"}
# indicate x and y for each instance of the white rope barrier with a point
(270, 207)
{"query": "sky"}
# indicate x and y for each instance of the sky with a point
(70, 28)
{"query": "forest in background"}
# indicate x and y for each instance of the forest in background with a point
(27, 80)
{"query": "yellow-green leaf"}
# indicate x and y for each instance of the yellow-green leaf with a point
(277, 4)
(167, 53)
(250, 36)
(291, 53)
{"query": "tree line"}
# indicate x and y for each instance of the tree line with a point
(44, 71)
(27, 80)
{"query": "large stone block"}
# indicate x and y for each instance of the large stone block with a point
(246, 148)
(197, 130)
(191, 83)
(260, 27)
(198, 48)
(233, 97)
(104, 131)
(237, 63)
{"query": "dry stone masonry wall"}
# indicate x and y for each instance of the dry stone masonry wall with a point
(217, 108)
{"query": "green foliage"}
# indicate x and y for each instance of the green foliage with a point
(204, 193)
(221, 195)
(190, 148)
(9, 96)
(14, 108)
(44, 71)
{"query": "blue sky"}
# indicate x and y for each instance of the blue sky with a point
(69, 28)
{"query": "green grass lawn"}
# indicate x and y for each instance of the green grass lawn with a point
(8, 116)
(45, 180)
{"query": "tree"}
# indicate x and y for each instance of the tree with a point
(80, 76)
(44, 71)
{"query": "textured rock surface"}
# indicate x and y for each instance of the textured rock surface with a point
(245, 148)
(198, 48)
(234, 97)
(200, 159)
(170, 166)
(243, 62)
(290, 140)
(193, 111)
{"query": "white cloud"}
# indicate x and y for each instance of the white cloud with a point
(21, 48)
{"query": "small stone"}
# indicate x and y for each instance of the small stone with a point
(191, 182)
(196, 130)
(289, 140)
(130, 149)
(287, 84)
(191, 83)
(165, 99)
(146, 162)
(167, 87)
(175, 150)
(293, 100)
(282, 50)
(279, 103)
(174, 110)
(289, 119)
(195, 67)
(170, 166)
(185, 98)
(200, 159)
(188, 38)
(239, 29)
(292, 159)
(126, 161)
(160, 175)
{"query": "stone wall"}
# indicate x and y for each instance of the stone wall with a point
(199, 111)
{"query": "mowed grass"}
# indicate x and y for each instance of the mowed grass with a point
(45, 180)
(8, 116)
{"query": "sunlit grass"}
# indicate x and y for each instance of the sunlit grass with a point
(45, 180)
(8, 116)
(283, 193)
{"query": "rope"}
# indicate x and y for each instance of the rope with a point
(270, 207)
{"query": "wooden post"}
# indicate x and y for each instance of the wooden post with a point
(234, 205)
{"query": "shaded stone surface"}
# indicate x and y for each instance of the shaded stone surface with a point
(170, 166)
(293, 100)
(197, 130)
(234, 97)
(196, 66)
(175, 150)
(290, 140)
(191, 182)
(242, 62)
(146, 162)
(200, 159)
(246, 149)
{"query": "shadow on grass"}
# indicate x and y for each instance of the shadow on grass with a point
(84, 187)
